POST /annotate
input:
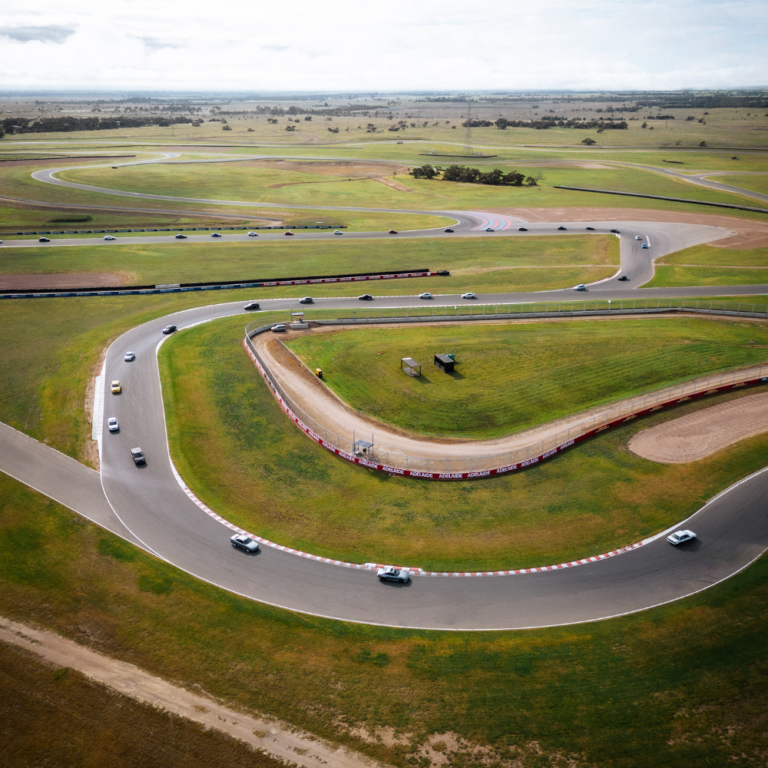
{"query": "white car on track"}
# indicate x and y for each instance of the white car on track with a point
(112, 424)
(390, 573)
(253, 234)
(580, 287)
(109, 237)
(338, 232)
(678, 537)
(425, 295)
(468, 295)
(129, 357)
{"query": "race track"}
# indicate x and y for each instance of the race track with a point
(148, 505)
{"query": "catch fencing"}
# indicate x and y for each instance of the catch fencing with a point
(508, 461)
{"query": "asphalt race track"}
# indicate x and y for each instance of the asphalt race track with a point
(147, 504)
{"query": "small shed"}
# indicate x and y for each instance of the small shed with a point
(410, 366)
(445, 363)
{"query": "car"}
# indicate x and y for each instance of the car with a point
(390, 573)
(129, 357)
(399, 142)
(43, 240)
(580, 287)
(253, 234)
(678, 537)
(338, 232)
(489, 229)
(244, 542)
(112, 424)
(115, 388)
(645, 246)
(448, 230)
(278, 327)
(623, 279)
(169, 329)
(615, 231)
(306, 300)
(288, 233)
(180, 236)
(443, 272)
(590, 229)
(561, 229)
(522, 229)
(138, 456)
(251, 306)
(425, 295)
(637, 237)
(365, 297)
(215, 234)
(392, 232)
(469, 295)
(109, 237)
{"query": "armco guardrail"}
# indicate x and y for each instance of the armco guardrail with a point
(507, 461)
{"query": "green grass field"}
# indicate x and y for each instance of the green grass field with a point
(512, 377)
(232, 181)
(476, 263)
(755, 183)
(684, 684)
(708, 255)
(242, 456)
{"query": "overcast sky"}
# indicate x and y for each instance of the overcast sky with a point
(390, 45)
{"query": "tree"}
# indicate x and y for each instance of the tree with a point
(589, 142)
(226, 127)
(703, 144)
(424, 172)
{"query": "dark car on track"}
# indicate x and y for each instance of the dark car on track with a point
(448, 230)
(590, 229)
(288, 233)
(138, 457)
(365, 297)
(392, 232)
(215, 234)
(561, 228)
(522, 229)
(623, 279)
(307, 300)
(169, 329)
(180, 236)
(615, 232)
(245, 543)
(252, 306)
(43, 240)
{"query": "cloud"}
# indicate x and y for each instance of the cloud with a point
(52, 33)
(155, 45)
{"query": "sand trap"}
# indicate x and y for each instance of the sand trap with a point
(700, 434)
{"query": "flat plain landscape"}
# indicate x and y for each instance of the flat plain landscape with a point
(687, 678)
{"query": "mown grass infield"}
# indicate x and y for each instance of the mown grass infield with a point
(238, 452)
(509, 377)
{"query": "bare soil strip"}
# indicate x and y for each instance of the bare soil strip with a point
(277, 738)
(752, 234)
(700, 434)
(62, 280)
(331, 412)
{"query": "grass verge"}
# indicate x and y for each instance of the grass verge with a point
(684, 684)
(242, 456)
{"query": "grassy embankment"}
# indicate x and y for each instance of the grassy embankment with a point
(244, 458)
(58, 717)
(512, 377)
(482, 264)
(755, 183)
(232, 181)
(708, 265)
(684, 684)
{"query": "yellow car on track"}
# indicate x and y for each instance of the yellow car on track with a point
(116, 388)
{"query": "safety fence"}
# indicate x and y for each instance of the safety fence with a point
(347, 447)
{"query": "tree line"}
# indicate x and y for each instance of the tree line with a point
(65, 124)
(547, 122)
(496, 177)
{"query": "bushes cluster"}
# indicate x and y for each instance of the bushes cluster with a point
(467, 175)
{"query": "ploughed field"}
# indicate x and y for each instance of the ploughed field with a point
(514, 376)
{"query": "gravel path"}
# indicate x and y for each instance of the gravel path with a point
(279, 739)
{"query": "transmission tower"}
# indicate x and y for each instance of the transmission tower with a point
(468, 134)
